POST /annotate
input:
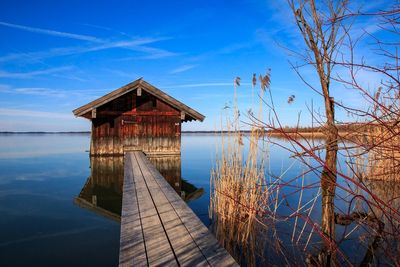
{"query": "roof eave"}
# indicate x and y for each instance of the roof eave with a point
(106, 98)
(79, 112)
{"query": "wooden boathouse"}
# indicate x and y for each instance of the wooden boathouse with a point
(137, 116)
(142, 123)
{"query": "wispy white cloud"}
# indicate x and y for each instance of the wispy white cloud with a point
(156, 53)
(182, 69)
(104, 28)
(25, 75)
(33, 113)
(226, 96)
(39, 91)
(52, 32)
(134, 44)
(4, 88)
(52, 92)
(152, 53)
(212, 84)
(286, 34)
(122, 73)
(138, 45)
(229, 49)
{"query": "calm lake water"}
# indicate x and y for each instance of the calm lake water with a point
(53, 215)
(42, 174)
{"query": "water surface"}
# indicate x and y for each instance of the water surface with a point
(60, 208)
(52, 205)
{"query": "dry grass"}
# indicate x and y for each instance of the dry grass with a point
(238, 195)
(384, 156)
(378, 166)
(245, 197)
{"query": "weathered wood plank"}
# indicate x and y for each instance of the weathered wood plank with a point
(93, 113)
(205, 241)
(157, 227)
(158, 248)
(185, 249)
(132, 249)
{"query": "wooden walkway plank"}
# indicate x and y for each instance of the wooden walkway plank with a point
(185, 249)
(157, 226)
(205, 241)
(158, 249)
(132, 250)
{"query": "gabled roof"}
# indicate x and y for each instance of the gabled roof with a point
(140, 83)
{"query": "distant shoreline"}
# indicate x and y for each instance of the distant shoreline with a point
(39, 132)
(194, 132)
(305, 134)
(88, 132)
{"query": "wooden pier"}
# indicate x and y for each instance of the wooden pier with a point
(157, 227)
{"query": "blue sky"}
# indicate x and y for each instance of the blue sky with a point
(58, 55)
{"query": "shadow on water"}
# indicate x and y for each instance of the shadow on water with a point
(102, 191)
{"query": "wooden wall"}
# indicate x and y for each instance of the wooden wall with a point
(133, 122)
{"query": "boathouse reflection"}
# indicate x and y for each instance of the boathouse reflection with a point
(102, 191)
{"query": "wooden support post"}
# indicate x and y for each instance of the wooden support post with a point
(94, 113)
(94, 200)
(139, 92)
(182, 115)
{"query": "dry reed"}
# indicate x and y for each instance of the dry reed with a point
(237, 193)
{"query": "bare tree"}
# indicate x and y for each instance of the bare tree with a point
(324, 27)
(323, 34)
(378, 136)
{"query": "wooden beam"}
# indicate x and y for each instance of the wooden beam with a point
(182, 115)
(137, 113)
(139, 91)
(94, 113)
